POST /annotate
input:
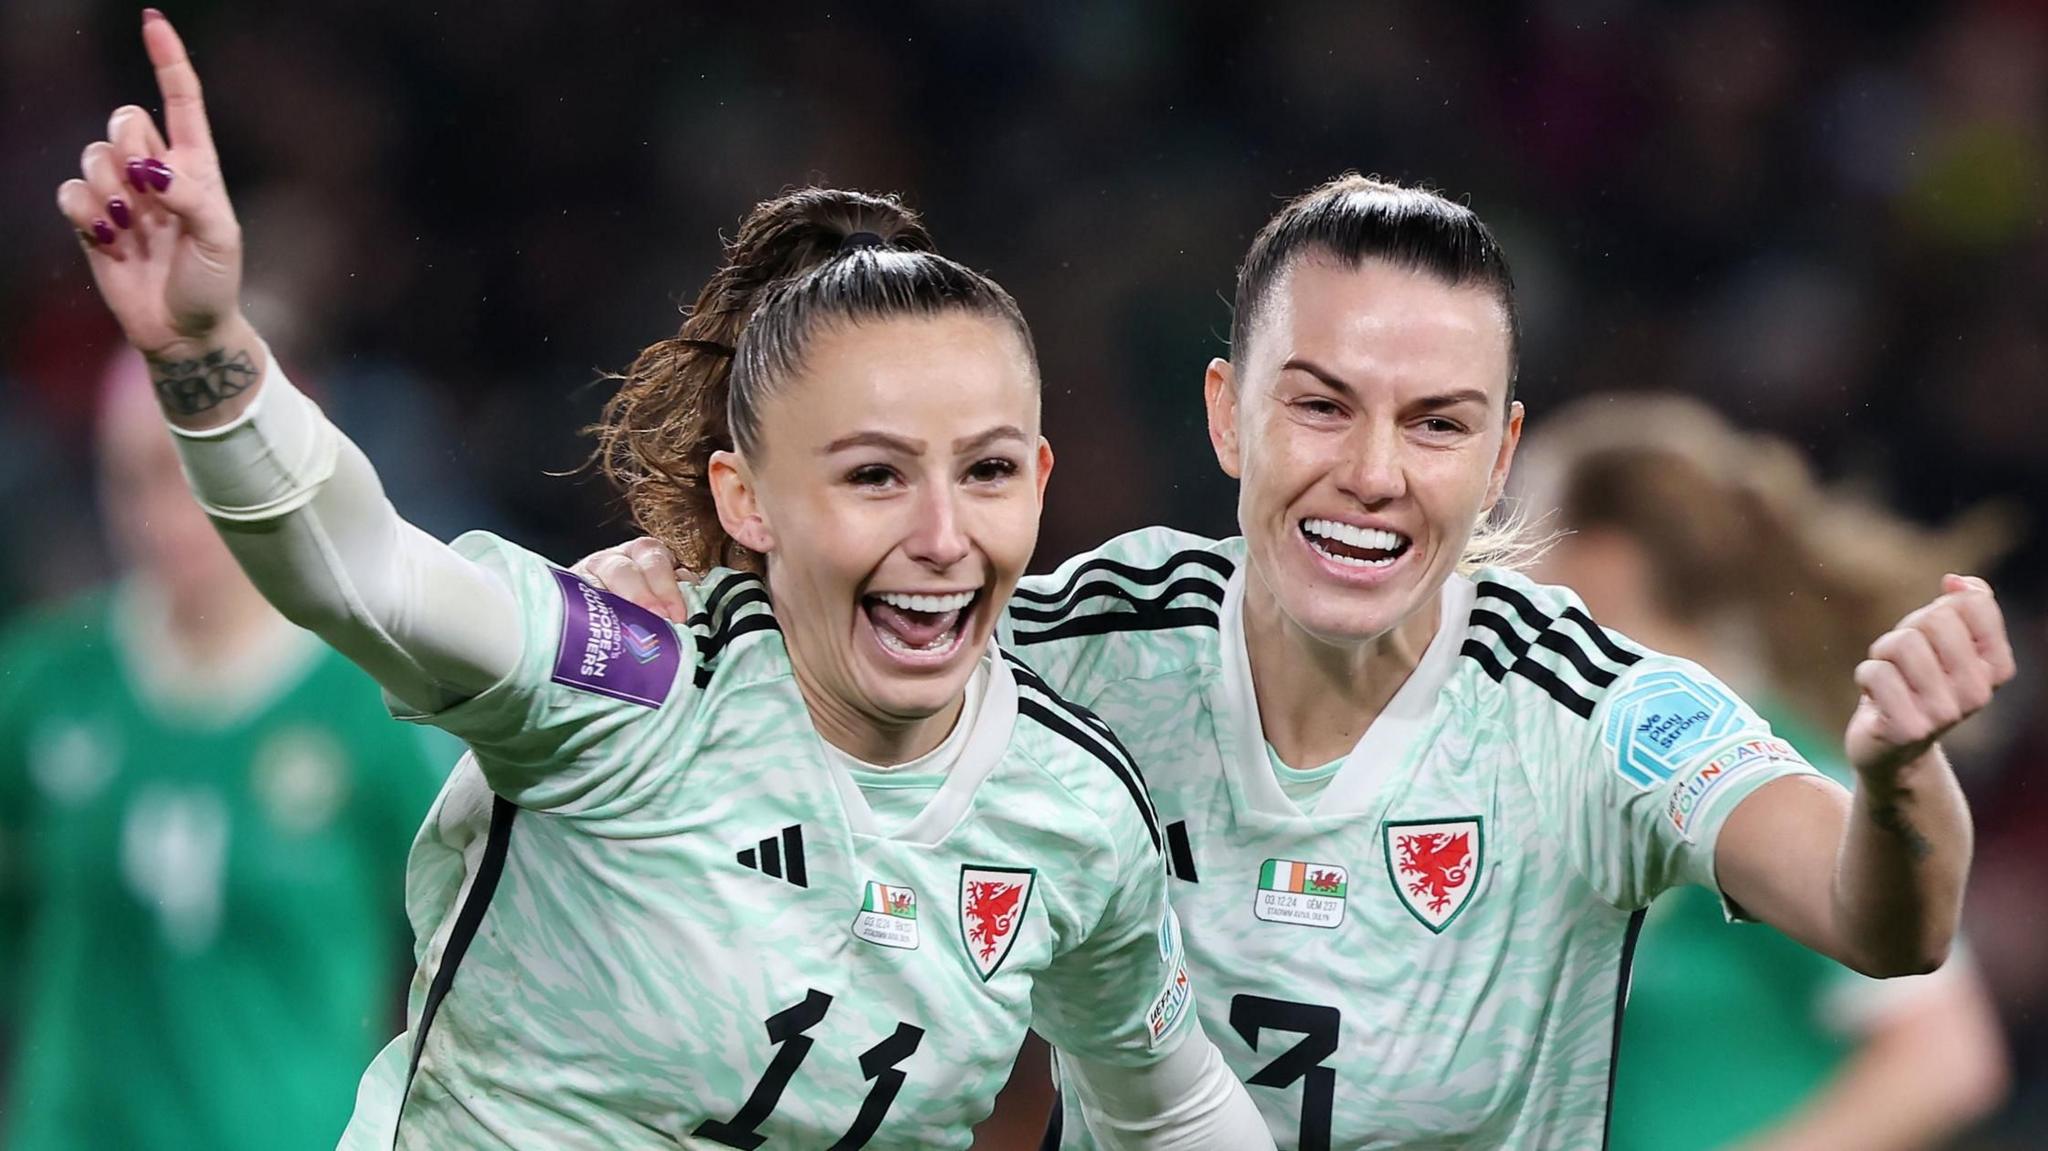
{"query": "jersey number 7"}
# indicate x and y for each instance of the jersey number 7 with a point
(1318, 1028)
(786, 1030)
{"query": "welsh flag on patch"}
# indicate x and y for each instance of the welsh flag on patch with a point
(885, 900)
(1304, 878)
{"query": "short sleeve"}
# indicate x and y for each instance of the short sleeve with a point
(1121, 994)
(1652, 774)
(595, 677)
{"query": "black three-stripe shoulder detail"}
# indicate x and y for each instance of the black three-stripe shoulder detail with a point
(1145, 577)
(1549, 636)
(1042, 617)
(1200, 585)
(1086, 730)
(726, 618)
(490, 866)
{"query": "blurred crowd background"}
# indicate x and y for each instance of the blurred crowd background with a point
(1826, 221)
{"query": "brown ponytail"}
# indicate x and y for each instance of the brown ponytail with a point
(672, 409)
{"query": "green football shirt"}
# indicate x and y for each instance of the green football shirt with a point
(1428, 950)
(202, 928)
(652, 911)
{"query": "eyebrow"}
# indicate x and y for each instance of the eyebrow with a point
(904, 445)
(1439, 400)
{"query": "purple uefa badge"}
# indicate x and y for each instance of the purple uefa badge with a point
(612, 647)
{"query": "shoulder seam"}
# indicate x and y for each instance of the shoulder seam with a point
(1085, 730)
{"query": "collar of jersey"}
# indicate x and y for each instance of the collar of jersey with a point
(1386, 745)
(978, 750)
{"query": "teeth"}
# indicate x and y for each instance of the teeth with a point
(1371, 539)
(940, 643)
(932, 604)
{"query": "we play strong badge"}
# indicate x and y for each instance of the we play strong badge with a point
(1307, 894)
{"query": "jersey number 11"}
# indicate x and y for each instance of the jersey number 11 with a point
(786, 1030)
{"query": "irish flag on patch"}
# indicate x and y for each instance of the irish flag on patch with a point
(1304, 878)
(885, 900)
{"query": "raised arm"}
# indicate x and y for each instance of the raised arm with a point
(1876, 881)
(297, 503)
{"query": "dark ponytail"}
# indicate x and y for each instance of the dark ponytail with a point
(676, 404)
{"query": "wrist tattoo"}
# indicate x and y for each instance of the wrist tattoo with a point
(1887, 815)
(188, 387)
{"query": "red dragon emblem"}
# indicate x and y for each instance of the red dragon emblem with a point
(899, 904)
(991, 910)
(1440, 861)
(1323, 881)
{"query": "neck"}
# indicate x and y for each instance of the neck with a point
(212, 622)
(883, 741)
(1316, 698)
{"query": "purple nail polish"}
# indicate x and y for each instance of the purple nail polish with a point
(158, 172)
(138, 175)
(118, 209)
(101, 232)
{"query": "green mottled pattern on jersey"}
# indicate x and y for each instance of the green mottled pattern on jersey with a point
(199, 925)
(643, 978)
(1429, 958)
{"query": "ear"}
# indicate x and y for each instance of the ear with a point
(1506, 458)
(1044, 467)
(1219, 396)
(734, 490)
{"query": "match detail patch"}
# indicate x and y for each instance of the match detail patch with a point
(1305, 894)
(614, 648)
(1665, 719)
(887, 917)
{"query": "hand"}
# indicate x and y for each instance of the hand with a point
(1934, 670)
(643, 572)
(154, 218)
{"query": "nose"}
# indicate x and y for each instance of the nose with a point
(936, 539)
(1375, 470)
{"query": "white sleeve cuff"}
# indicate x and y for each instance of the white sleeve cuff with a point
(265, 463)
(1186, 1101)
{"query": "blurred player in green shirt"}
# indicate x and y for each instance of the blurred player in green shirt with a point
(203, 820)
(1775, 1046)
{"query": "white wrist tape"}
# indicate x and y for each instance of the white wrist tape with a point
(267, 462)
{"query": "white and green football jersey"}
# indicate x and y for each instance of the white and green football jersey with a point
(1432, 950)
(652, 912)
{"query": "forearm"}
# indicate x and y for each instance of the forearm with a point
(1188, 1101)
(1904, 860)
(305, 515)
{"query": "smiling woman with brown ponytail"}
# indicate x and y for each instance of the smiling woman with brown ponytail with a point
(796, 870)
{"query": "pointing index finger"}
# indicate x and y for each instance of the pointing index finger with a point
(184, 111)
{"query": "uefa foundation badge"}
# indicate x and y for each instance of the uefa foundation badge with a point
(1305, 894)
(887, 917)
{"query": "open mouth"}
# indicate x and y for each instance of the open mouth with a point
(1353, 546)
(918, 628)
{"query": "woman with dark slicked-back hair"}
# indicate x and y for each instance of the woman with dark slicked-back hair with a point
(1414, 803)
(795, 869)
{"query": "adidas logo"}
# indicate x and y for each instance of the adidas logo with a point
(781, 857)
